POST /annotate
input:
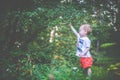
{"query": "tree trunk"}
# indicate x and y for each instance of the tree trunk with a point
(98, 46)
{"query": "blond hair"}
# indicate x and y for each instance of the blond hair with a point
(87, 28)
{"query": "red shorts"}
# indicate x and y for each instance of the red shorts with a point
(86, 62)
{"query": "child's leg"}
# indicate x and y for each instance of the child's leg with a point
(89, 71)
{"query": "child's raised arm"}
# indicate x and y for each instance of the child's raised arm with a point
(73, 29)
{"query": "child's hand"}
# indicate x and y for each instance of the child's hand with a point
(81, 54)
(70, 24)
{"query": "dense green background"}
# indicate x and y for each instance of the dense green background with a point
(36, 42)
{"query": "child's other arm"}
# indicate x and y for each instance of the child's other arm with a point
(73, 29)
(85, 51)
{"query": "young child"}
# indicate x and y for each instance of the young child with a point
(83, 47)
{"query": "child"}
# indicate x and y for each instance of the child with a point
(83, 47)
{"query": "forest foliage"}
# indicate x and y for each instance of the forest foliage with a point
(35, 34)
